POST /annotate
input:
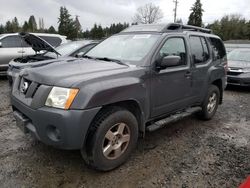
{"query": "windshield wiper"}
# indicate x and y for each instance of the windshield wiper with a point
(112, 60)
(88, 57)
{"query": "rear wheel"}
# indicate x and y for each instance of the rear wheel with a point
(210, 103)
(111, 139)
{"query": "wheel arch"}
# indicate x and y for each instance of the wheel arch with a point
(218, 83)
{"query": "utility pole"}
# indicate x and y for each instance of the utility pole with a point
(175, 9)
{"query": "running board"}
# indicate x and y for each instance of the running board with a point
(173, 118)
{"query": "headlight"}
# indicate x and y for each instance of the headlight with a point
(61, 97)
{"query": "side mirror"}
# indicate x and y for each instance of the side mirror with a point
(1, 45)
(170, 61)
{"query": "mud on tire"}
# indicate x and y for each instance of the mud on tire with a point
(111, 139)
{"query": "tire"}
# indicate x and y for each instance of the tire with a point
(210, 104)
(114, 131)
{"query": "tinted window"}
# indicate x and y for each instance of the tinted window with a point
(199, 49)
(218, 48)
(205, 49)
(13, 42)
(54, 41)
(176, 47)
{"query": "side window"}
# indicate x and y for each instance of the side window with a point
(53, 41)
(218, 48)
(174, 46)
(11, 42)
(205, 49)
(199, 49)
(84, 50)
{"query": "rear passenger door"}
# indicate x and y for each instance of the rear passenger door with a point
(201, 60)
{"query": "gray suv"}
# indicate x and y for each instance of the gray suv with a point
(136, 81)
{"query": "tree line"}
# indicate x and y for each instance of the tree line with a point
(229, 27)
(67, 26)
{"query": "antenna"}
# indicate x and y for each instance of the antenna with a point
(175, 9)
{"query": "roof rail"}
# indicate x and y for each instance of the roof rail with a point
(178, 26)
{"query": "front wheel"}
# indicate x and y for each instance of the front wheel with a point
(210, 103)
(111, 140)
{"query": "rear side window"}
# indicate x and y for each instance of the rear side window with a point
(13, 42)
(199, 49)
(218, 48)
(53, 41)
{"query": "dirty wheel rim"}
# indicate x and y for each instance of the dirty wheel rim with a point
(116, 141)
(212, 102)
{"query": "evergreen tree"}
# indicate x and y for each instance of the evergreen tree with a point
(78, 27)
(2, 29)
(32, 24)
(231, 27)
(51, 30)
(66, 24)
(195, 17)
(25, 27)
(9, 27)
(15, 25)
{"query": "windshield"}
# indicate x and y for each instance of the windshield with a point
(65, 49)
(239, 55)
(130, 47)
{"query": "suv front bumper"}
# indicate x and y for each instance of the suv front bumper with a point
(65, 129)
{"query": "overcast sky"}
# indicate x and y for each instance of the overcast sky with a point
(105, 12)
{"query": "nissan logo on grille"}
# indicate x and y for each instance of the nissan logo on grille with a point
(24, 86)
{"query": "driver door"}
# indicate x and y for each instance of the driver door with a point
(171, 87)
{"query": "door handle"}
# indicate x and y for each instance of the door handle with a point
(20, 51)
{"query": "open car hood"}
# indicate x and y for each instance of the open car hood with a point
(37, 43)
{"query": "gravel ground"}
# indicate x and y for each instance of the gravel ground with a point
(189, 153)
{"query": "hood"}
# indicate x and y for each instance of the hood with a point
(68, 73)
(238, 64)
(20, 66)
(37, 43)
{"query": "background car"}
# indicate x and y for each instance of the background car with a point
(239, 67)
(12, 46)
(70, 49)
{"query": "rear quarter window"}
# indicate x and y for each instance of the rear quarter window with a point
(54, 41)
(218, 48)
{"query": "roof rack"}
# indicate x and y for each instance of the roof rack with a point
(163, 28)
(178, 26)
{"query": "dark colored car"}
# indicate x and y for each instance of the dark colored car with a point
(239, 67)
(67, 50)
(136, 81)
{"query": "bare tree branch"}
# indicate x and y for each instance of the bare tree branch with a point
(148, 14)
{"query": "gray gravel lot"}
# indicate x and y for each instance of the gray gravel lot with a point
(189, 153)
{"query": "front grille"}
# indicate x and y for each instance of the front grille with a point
(27, 87)
(233, 73)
